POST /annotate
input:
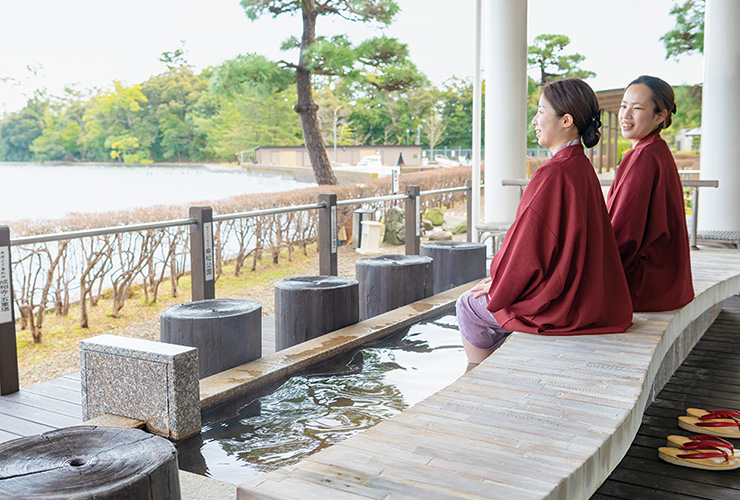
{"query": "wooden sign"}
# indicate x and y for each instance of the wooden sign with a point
(334, 229)
(6, 298)
(208, 250)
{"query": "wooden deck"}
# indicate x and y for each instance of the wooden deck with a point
(709, 378)
(41, 408)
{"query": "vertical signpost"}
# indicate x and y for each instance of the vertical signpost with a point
(413, 220)
(201, 254)
(328, 235)
(8, 349)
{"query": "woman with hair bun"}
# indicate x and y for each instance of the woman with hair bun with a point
(645, 202)
(558, 271)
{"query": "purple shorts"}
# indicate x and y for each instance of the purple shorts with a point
(477, 324)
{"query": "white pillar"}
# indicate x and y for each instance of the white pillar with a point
(477, 116)
(506, 106)
(719, 209)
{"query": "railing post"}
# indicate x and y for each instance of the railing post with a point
(328, 235)
(413, 220)
(8, 348)
(694, 216)
(203, 285)
(470, 224)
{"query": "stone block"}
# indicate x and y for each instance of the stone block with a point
(143, 380)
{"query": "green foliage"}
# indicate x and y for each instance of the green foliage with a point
(688, 34)
(533, 97)
(246, 121)
(547, 55)
(250, 73)
(172, 98)
(688, 112)
(381, 11)
(18, 130)
(115, 114)
(175, 58)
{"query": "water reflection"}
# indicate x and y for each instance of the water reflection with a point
(314, 410)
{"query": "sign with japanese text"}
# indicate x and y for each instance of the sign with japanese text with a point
(6, 298)
(334, 229)
(208, 250)
(418, 216)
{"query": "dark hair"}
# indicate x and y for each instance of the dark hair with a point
(575, 98)
(663, 96)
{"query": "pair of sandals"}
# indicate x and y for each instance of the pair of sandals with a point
(707, 450)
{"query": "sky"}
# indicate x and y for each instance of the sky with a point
(88, 44)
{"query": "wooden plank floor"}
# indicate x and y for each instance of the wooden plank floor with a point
(57, 403)
(40, 408)
(708, 378)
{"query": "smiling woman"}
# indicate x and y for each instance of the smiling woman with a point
(645, 202)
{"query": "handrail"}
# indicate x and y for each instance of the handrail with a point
(47, 238)
(608, 182)
(694, 184)
(355, 201)
(444, 190)
(84, 233)
(269, 211)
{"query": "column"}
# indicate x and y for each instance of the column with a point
(721, 116)
(506, 106)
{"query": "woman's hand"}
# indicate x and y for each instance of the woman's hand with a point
(481, 288)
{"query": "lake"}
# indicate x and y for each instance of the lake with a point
(34, 191)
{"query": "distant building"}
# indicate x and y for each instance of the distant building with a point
(688, 140)
(297, 156)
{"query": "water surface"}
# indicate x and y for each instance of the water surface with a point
(322, 407)
(34, 191)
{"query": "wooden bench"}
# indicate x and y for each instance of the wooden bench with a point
(544, 417)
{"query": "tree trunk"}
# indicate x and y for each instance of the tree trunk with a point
(84, 462)
(306, 108)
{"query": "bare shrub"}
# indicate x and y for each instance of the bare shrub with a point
(45, 273)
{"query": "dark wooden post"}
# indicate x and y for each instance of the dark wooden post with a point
(328, 235)
(202, 267)
(469, 195)
(413, 220)
(8, 349)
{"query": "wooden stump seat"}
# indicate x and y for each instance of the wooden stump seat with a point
(309, 306)
(227, 332)
(86, 462)
(455, 262)
(388, 282)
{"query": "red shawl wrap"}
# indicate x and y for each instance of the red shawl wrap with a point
(645, 204)
(558, 271)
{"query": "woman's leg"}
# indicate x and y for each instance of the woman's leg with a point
(481, 333)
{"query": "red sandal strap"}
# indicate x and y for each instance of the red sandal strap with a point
(708, 454)
(720, 414)
(719, 424)
(703, 445)
(707, 437)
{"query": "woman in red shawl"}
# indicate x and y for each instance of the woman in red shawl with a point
(558, 271)
(645, 203)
